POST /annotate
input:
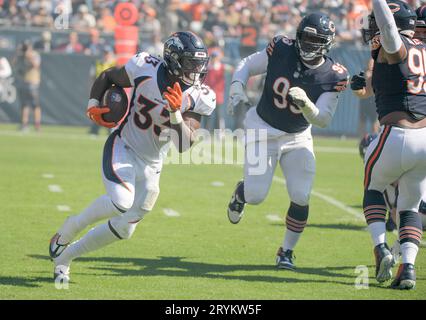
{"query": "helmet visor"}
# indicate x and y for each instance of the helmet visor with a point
(194, 69)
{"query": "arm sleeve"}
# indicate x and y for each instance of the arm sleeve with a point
(253, 65)
(322, 113)
(389, 34)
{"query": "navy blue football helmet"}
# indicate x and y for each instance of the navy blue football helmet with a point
(405, 18)
(186, 57)
(315, 36)
(364, 143)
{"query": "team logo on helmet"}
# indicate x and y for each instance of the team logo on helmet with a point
(332, 26)
(395, 7)
(175, 41)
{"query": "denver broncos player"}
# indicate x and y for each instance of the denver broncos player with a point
(399, 153)
(166, 94)
(301, 89)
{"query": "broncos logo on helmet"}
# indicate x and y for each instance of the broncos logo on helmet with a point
(186, 57)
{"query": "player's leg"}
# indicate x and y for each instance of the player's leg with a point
(298, 166)
(411, 186)
(382, 167)
(119, 179)
(258, 174)
(119, 227)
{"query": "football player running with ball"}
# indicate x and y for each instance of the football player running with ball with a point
(167, 93)
(302, 89)
(399, 153)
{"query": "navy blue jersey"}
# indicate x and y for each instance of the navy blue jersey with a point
(285, 70)
(401, 87)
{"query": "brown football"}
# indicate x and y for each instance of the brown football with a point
(116, 100)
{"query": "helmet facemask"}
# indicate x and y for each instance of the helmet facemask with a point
(420, 30)
(194, 69)
(312, 45)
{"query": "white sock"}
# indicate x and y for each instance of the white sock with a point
(290, 239)
(101, 208)
(96, 238)
(378, 232)
(409, 252)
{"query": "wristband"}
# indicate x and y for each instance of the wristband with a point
(176, 117)
(93, 103)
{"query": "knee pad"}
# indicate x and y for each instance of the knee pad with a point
(123, 200)
(374, 206)
(254, 194)
(300, 197)
(125, 225)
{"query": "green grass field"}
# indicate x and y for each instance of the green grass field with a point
(198, 255)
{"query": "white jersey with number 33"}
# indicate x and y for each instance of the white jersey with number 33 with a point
(148, 115)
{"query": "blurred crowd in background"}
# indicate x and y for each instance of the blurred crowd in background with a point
(231, 29)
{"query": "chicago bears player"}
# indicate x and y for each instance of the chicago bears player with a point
(167, 93)
(421, 23)
(301, 89)
(399, 153)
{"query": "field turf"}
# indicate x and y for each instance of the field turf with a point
(196, 255)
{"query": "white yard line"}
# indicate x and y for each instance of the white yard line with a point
(48, 175)
(63, 208)
(274, 218)
(55, 188)
(218, 184)
(170, 212)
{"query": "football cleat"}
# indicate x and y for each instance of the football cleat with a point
(405, 278)
(235, 207)
(55, 248)
(384, 262)
(61, 273)
(284, 259)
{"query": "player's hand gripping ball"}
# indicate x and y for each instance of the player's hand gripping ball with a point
(113, 109)
(174, 97)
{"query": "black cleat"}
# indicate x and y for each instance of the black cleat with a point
(405, 278)
(384, 262)
(285, 259)
(235, 207)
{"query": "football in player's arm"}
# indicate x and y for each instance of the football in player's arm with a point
(184, 124)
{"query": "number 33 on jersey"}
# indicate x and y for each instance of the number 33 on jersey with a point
(148, 114)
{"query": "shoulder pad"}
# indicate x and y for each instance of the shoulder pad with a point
(278, 41)
(339, 78)
(203, 101)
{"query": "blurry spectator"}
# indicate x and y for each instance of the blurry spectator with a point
(43, 18)
(215, 79)
(72, 46)
(106, 61)
(45, 43)
(27, 74)
(84, 19)
(154, 46)
(249, 33)
(106, 22)
(95, 45)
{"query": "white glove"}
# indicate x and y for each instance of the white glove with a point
(237, 95)
(298, 97)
